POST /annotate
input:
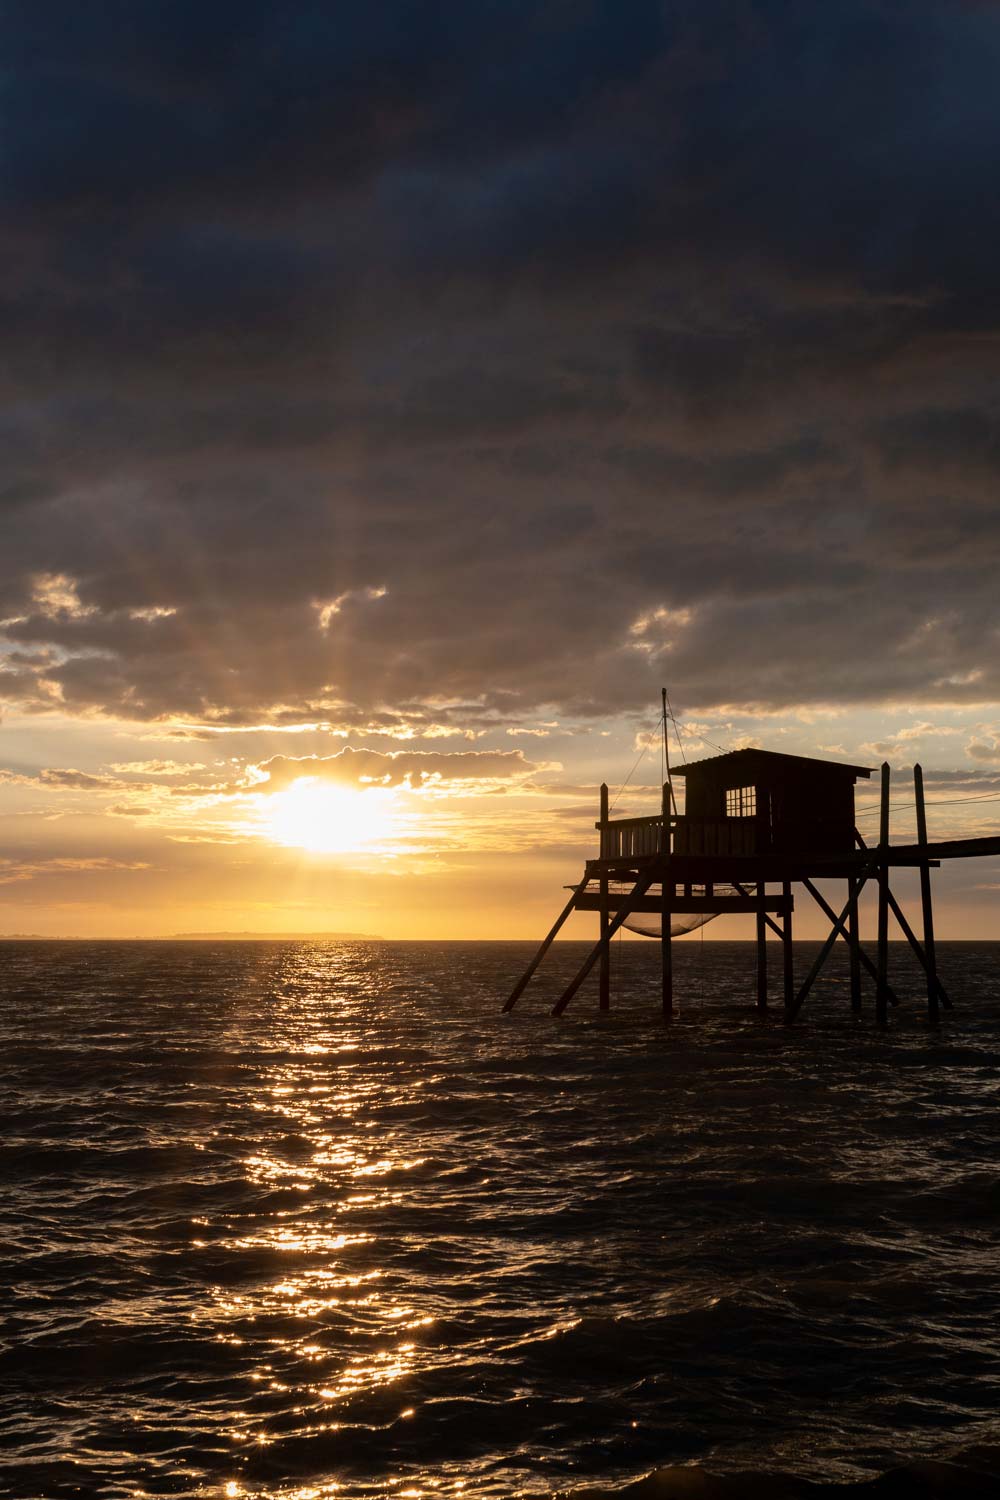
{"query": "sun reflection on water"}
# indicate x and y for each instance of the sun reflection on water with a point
(325, 1328)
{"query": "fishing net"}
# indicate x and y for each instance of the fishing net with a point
(649, 924)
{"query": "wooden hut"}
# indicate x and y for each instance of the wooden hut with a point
(756, 823)
(752, 802)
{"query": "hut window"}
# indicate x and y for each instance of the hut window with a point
(741, 802)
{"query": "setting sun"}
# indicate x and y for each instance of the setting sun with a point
(312, 814)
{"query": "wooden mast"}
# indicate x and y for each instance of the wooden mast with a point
(666, 759)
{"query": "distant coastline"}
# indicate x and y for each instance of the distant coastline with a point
(192, 937)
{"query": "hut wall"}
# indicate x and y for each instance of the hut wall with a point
(799, 809)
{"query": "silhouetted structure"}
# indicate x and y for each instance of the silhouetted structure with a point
(757, 802)
(755, 823)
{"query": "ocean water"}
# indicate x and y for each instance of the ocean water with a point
(315, 1220)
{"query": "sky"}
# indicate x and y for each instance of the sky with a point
(394, 397)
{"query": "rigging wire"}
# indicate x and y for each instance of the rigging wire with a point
(631, 773)
(677, 728)
(663, 754)
(702, 738)
(873, 811)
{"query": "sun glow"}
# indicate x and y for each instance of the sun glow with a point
(312, 814)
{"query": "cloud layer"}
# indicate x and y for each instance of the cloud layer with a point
(429, 365)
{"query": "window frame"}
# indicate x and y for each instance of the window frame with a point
(741, 801)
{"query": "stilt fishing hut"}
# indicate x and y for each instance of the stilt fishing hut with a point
(755, 824)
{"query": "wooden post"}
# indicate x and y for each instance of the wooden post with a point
(788, 969)
(605, 979)
(627, 906)
(854, 942)
(667, 889)
(881, 996)
(761, 948)
(930, 956)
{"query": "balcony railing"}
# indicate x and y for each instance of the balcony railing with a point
(632, 838)
(635, 838)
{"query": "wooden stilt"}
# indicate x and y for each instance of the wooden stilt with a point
(761, 949)
(639, 889)
(835, 931)
(522, 983)
(881, 997)
(604, 1001)
(854, 943)
(666, 952)
(666, 912)
(862, 956)
(788, 967)
(930, 955)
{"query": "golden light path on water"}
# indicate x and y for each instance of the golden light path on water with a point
(322, 1150)
(335, 1333)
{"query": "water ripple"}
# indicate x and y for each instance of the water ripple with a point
(309, 1220)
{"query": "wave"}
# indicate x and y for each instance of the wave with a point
(972, 1474)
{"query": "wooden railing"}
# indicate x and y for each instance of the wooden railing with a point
(636, 838)
(631, 838)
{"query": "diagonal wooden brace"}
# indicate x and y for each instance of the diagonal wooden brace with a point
(769, 920)
(792, 1010)
(522, 983)
(641, 887)
(862, 955)
(914, 943)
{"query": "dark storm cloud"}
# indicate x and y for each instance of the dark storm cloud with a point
(449, 360)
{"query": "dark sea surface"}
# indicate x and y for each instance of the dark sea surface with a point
(314, 1220)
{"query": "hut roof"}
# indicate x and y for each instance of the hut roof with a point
(762, 760)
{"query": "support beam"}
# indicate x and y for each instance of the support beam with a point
(862, 956)
(821, 958)
(667, 894)
(914, 942)
(761, 948)
(718, 905)
(604, 1002)
(641, 887)
(930, 954)
(744, 891)
(881, 985)
(788, 966)
(523, 982)
(854, 943)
